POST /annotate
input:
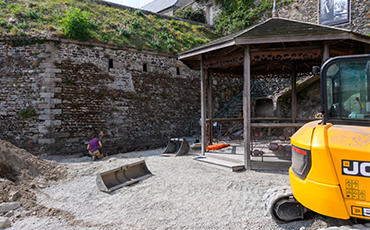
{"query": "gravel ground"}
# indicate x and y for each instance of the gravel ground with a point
(181, 194)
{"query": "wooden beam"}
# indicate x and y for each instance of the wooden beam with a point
(262, 119)
(223, 52)
(203, 106)
(261, 70)
(294, 95)
(247, 107)
(360, 38)
(325, 51)
(224, 61)
(319, 37)
(304, 48)
(209, 80)
(278, 125)
(193, 58)
(199, 50)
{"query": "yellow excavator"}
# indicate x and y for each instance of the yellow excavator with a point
(330, 172)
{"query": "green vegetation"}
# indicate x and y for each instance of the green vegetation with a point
(86, 20)
(77, 25)
(239, 14)
(189, 13)
(29, 112)
(69, 82)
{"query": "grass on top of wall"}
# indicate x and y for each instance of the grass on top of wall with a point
(86, 20)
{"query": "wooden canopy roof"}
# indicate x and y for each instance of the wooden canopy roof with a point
(276, 46)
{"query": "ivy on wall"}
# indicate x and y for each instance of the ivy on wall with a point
(239, 14)
(197, 15)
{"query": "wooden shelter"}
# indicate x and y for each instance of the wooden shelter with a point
(277, 46)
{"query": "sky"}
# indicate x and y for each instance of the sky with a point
(132, 3)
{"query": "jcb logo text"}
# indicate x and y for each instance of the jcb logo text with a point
(356, 168)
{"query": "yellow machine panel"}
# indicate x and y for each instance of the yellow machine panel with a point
(338, 183)
(302, 138)
(324, 199)
(350, 149)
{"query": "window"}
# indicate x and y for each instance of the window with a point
(110, 63)
(178, 70)
(348, 90)
(145, 68)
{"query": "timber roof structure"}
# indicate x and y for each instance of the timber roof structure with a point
(276, 46)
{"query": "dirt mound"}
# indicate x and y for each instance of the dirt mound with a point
(22, 174)
(21, 167)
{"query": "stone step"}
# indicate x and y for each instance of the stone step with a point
(279, 165)
(233, 167)
(236, 165)
(234, 158)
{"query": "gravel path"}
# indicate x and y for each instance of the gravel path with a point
(181, 194)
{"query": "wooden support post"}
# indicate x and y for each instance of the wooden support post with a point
(210, 106)
(246, 108)
(294, 95)
(203, 106)
(326, 51)
(294, 98)
(325, 55)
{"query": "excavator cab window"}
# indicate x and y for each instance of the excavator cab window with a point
(347, 90)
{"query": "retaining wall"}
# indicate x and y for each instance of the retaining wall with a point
(133, 100)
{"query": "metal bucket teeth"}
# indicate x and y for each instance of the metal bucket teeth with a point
(176, 147)
(116, 178)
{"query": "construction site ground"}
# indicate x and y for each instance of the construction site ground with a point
(181, 194)
(232, 156)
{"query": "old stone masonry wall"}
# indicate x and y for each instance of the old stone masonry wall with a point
(308, 11)
(132, 100)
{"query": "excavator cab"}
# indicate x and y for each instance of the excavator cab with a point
(330, 172)
(345, 96)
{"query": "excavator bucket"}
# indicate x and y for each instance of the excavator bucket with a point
(176, 147)
(122, 176)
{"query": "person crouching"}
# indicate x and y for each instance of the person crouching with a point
(94, 148)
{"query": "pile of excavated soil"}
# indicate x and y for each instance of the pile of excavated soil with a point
(22, 175)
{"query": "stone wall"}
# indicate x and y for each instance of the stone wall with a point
(308, 11)
(308, 103)
(133, 100)
(21, 85)
(216, 9)
(75, 92)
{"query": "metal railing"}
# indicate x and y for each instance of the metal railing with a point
(270, 137)
(258, 89)
(232, 108)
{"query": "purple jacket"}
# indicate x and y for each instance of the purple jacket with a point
(94, 144)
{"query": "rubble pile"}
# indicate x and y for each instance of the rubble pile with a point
(21, 176)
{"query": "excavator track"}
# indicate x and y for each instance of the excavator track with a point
(282, 205)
